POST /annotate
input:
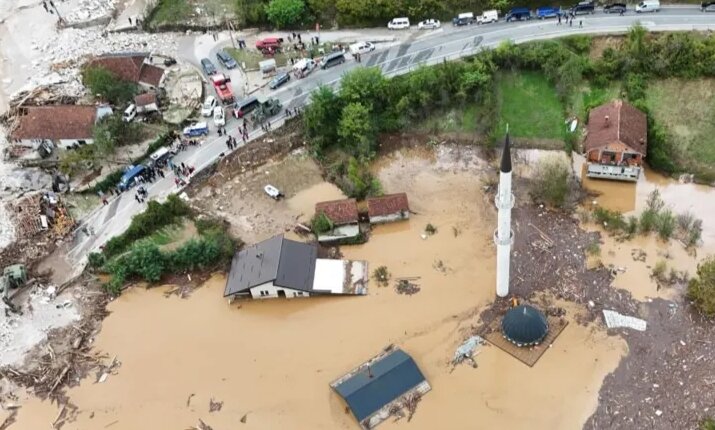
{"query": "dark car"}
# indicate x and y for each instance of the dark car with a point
(707, 6)
(168, 62)
(208, 66)
(332, 59)
(583, 8)
(225, 59)
(279, 80)
(245, 106)
(615, 8)
(518, 14)
(461, 21)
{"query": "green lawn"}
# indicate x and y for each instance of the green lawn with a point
(170, 11)
(529, 104)
(590, 97)
(252, 57)
(687, 111)
(464, 120)
(192, 12)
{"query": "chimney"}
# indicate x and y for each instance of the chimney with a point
(608, 121)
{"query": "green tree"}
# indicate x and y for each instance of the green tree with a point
(701, 289)
(321, 119)
(551, 181)
(367, 86)
(106, 86)
(285, 13)
(356, 130)
(74, 161)
(477, 77)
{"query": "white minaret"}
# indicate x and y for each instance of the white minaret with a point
(503, 236)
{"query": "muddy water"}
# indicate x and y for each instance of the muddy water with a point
(273, 360)
(304, 201)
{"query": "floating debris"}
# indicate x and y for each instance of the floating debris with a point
(466, 350)
(616, 320)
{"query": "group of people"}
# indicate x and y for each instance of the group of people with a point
(141, 194)
(291, 113)
(569, 17)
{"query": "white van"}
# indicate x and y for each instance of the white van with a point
(648, 6)
(488, 16)
(398, 24)
(361, 48)
(130, 113)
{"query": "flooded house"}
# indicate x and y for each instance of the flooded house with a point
(387, 382)
(616, 142)
(388, 208)
(279, 267)
(343, 217)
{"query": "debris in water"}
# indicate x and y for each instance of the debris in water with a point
(407, 286)
(188, 400)
(382, 276)
(244, 418)
(638, 254)
(203, 426)
(430, 229)
(466, 351)
(616, 320)
(215, 405)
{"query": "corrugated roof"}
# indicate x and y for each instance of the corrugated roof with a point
(55, 122)
(388, 204)
(617, 121)
(339, 211)
(392, 376)
(284, 262)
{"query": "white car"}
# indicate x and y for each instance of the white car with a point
(399, 24)
(429, 24)
(208, 108)
(219, 117)
(361, 48)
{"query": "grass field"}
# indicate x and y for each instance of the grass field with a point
(182, 12)
(462, 120)
(687, 111)
(529, 104)
(590, 97)
(252, 57)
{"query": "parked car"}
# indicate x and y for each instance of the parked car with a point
(518, 14)
(197, 129)
(208, 107)
(128, 179)
(361, 48)
(488, 16)
(269, 44)
(429, 24)
(615, 8)
(129, 113)
(547, 12)
(219, 117)
(707, 6)
(648, 6)
(332, 59)
(245, 106)
(584, 7)
(279, 80)
(399, 24)
(208, 66)
(225, 59)
(465, 18)
(303, 67)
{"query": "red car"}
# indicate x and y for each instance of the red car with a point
(269, 44)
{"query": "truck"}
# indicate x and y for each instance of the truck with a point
(266, 109)
(488, 16)
(222, 87)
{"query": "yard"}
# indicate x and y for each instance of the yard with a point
(169, 13)
(467, 119)
(686, 109)
(529, 104)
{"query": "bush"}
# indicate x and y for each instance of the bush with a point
(632, 226)
(648, 221)
(356, 181)
(285, 13)
(665, 224)
(551, 181)
(104, 85)
(96, 259)
(701, 288)
(658, 272)
(612, 221)
(594, 248)
(321, 223)
(430, 229)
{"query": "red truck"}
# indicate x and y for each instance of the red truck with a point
(269, 45)
(223, 88)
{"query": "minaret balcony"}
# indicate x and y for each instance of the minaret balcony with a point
(505, 241)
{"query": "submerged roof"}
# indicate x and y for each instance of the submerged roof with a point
(389, 377)
(284, 262)
(617, 121)
(339, 211)
(387, 205)
(524, 325)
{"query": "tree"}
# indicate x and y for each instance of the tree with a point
(477, 77)
(77, 160)
(104, 85)
(284, 13)
(367, 86)
(356, 130)
(701, 289)
(322, 117)
(551, 181)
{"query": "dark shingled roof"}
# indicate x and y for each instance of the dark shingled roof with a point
(284, 262)
(339, 211)
(625, 124)
(388, 204)
(55, 122)
(392, 376)
(506, 157)
(524, 325)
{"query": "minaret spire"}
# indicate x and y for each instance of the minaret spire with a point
(503, 236)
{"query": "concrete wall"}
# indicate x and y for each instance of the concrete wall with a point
(271, 291)
(397, 216)
(340, 232)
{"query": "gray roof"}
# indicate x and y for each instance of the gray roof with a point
(284, 262)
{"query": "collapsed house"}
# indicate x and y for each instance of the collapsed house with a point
(279, 267)
(388, 208)
(41, 211)
(382, 385)
(343, 217)
(131, 67)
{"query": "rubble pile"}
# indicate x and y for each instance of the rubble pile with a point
(37, 212)
(86, 10)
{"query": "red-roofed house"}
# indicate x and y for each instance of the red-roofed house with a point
(616, 142)
(388, 208)
(130, 67)
(343, 214)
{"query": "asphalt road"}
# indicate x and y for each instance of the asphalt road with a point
(421, 48)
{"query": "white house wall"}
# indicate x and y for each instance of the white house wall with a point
(270, 291)
(340, 232)
(397, 216)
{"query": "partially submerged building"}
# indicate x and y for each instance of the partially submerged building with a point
(374, 389)
(343, 216)
(616, 143)
(279, 267)
(388, 208)
(524, 325)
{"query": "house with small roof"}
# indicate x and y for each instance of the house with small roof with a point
(279, 267)
(387, 381)
(388, 208)
(616, 141)
(131, 67)
(147, 102)
(50, 126)
(343, 217)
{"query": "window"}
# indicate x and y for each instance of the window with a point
(263, 293)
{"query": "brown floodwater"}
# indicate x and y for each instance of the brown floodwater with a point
(273, 360)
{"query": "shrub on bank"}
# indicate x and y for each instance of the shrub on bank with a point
(551, 181)
(701, 288)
